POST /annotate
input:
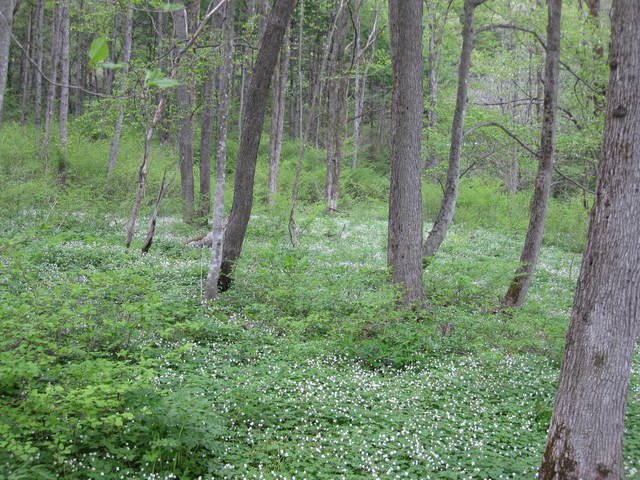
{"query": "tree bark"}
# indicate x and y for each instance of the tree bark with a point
(280, 80)
(448, 207)
(184, 100)
(253, 120)
(217, 223)
(51, 91)
(533, 242)
(6, 18)
(405, 198)
(586, 433)
(117, 132)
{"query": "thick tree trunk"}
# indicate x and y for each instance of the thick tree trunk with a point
(585, 438)
(280, 80)
(448, 207)
(533, 242)
(217, 223)
(184, 99)
(6, 17)
(250, 136)
(117, 132)
(337, 88)
(405, 198)
(39, 55)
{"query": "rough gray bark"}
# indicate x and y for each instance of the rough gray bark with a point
(6, 18)
(405, 198)
(538, 211)
(253, 121)
(586, 433)
(448, 207)
(39, 55)
(336, 106)
(217, 223)
(184, 101)
(117, 132)
(278, 96)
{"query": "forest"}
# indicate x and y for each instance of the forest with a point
(319, 239)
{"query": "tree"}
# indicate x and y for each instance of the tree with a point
(184, 100)
(65, 65)
(252, 123)
(405, 197)
(217, 224)
(538, 211)
(126, 58)
(448, 207)
(278, 98)
(6, 17)
(585, 437)
(337, 89)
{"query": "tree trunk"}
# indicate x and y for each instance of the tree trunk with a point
(586, 434)
(126, 58)
(65, 65)
(280, 79)
(533, 242)
(405, 198)
(51, 91)
(206, 131)
(6, 17)
(39, 55)
(184, 99)
(217, 224)
(337, 88)
(26, 69)
(253, 121)
(448, 207)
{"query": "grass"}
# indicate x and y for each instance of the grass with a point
(111, 367)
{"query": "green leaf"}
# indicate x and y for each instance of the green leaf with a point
(98, 51)
(154, 78)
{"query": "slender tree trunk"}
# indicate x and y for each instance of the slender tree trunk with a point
(405, 197)
(217, 224)
(280, 79)
(206, 130)
(448, 207)
(39, 55)
(335, 113)
(65, 65)
(250, 136)
(26, 69)
(432, 65)
(533, 242)
(586, 433)
(117, 132)
(51, 91)
(184, 98)
(301, 132)
(6, 17)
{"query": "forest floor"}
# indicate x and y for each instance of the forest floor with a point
(111, 367)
